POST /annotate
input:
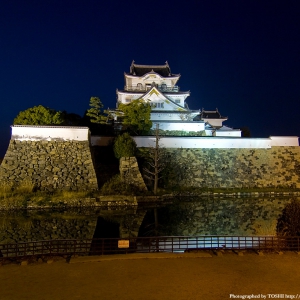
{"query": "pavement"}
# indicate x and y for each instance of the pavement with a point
(135, 256)
(199, 275)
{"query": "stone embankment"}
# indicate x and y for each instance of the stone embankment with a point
(65, 165)
(235, 168)
(130, 173)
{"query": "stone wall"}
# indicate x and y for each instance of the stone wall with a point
(273, 167)
(66, 165)
(130, 172)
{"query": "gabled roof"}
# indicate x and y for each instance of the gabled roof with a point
(140, 70)
(162, 96)
(226, 128)
(211, 114)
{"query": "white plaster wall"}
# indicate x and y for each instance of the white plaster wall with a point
(122, 97)
(149, 78)
(180, 126)
(231, 133)
(214, 122)
(155, 116)
(284, 140)
(204, 142)
(209, 132)
(175, 97)
(37, 133)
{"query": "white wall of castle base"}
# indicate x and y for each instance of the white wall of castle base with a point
(204, 142)
(48, 133)
(284, 140)
(215, 142)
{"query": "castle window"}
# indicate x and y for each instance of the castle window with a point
(163, 87)
(139, 86)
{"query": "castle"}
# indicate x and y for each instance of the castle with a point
(60, 157)
(157, 85)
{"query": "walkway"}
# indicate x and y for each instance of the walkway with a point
(201, 275)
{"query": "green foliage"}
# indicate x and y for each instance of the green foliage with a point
(136, 115)
(95, 112)
(39, 115)
(124, 146)
(115, 186)
(71, 119)
(289, 222)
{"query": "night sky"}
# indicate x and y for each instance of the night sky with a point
(241, 57)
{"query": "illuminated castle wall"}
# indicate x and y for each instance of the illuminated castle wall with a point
(51, 157)
(230, 162)
(234, 168)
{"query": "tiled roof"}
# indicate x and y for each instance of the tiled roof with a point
(211, 114)
(140, 70)
(145, 92)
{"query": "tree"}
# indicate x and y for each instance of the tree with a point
(95, 112)
(71, 119)
(156, 163)
(124, 146)
(136, 115)
(39, 115)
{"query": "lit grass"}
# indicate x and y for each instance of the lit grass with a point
(116, 186)
(25, 187)
(5, 189)
(22, 193)
(67, 196)
(25, 193)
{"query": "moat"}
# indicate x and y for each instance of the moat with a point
(193, 217)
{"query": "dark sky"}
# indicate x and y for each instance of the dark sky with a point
(239, 56)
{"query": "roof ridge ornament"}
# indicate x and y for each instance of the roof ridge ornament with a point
(132, 66)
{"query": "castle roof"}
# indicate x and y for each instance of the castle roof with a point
(145, 92)
(140, 70)
(211, 114)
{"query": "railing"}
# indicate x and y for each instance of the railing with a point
(69, 248)
(136, 88)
